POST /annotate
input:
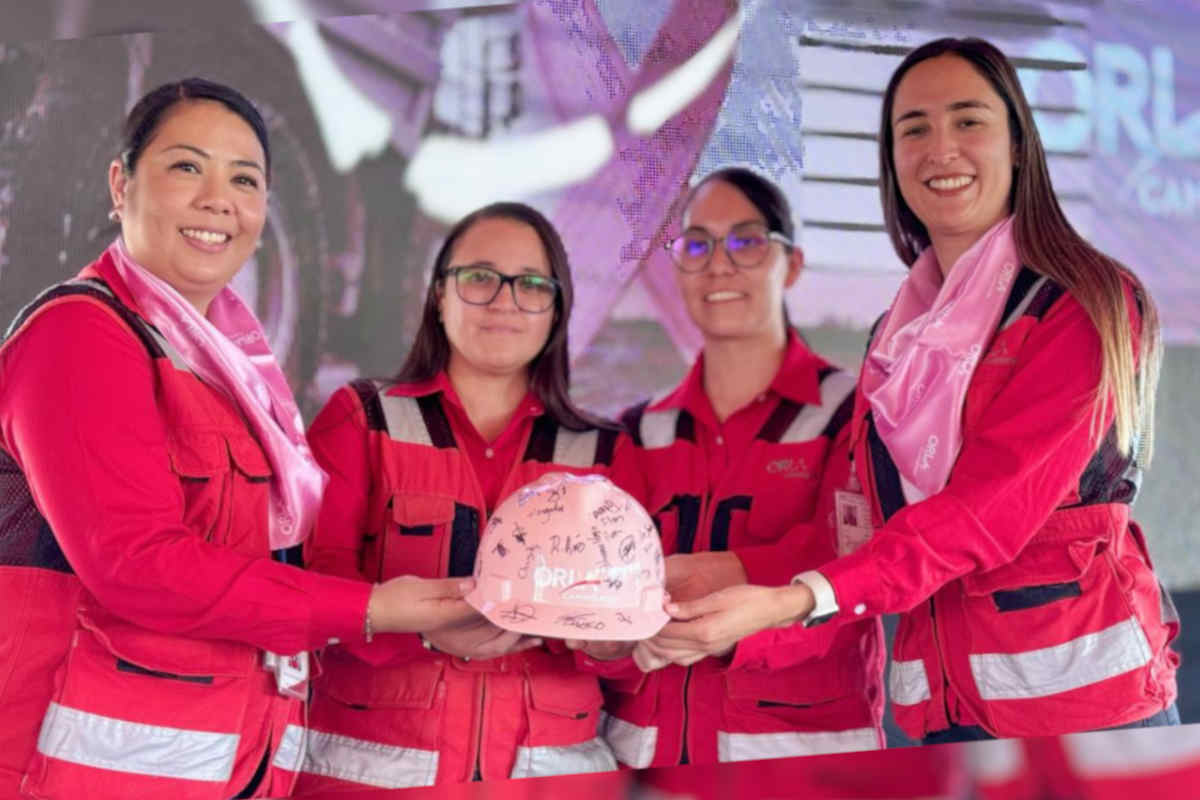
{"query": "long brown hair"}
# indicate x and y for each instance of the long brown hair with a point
(550, 370)
(1047, 243)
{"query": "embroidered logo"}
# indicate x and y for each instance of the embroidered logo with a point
(1004, 278)
(794, 468)
(925, 459)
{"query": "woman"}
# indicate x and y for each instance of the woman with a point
(1002, 418)
(730, 459)
(417, 463)
(152, 459)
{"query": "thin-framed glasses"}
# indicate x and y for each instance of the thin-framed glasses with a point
(746, 244)
(479, 286)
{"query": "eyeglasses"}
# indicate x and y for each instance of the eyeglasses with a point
(746, 244)
(479, 286)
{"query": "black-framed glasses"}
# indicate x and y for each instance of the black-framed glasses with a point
(479, 286)
(746, 244)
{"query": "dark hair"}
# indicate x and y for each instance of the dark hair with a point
(148, 113)
(762, 194)
(765, 196)
(1045, 241)
(550, 370)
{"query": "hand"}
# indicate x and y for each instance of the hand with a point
(601, 651)
(690, 576)
(713, 625)
(409, 604)
(478, 638)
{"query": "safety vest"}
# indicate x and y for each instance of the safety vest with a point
(430, 717)
(1102, 765)
(124, 711)
(708, 713)
(1072, 634)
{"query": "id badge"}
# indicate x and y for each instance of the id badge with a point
(291, 673)
(853, 514)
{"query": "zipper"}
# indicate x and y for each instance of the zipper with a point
(477, 775)
(945, 673)
(683, 737)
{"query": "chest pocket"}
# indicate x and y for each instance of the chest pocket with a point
(226, 483)
(786, 482)
(414, 539)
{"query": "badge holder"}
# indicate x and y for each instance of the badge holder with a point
(853, 515)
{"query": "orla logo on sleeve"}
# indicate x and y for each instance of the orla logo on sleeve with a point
(571, 557)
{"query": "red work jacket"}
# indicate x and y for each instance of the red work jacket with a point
(708, 494)
(1031, 606)
(393, 714)
(125, 710)
(1161, 763)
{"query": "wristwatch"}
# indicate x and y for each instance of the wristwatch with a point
(826, 602)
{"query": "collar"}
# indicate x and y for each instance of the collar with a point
(530, 405)
(798, 379)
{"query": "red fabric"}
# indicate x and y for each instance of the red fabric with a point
(1155, 763)
(737, 485)
(1006, 521)
(393, 692)
(930, 773)
(492, 461)
(155, 492)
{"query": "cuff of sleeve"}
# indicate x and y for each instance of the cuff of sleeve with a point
(339, 610)
(855, 584)
(825, 605)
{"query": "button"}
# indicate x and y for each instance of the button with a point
(489, 452)
(334, 640)
(720, 440)
(860, 608)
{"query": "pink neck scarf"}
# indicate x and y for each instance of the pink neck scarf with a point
(917, 373)
(229, 351)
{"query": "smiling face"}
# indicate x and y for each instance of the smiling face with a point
(724, 301)
(195, 204)
(953, 152)
(498, 338)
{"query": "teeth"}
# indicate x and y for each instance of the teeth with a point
(716, 297)
(208, 237)
(946, 184)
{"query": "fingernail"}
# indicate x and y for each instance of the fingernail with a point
(672, 609)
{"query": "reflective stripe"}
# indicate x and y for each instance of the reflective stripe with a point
(574, 449)
(634, 745)
(812, 419)
(594, 755)
(404, 420)
(658, 428)
(1088, 659)
(786, 744)
(1019, 311)
(290, 754)
(1135, 751)
(80, 737)
(173, 355)
(907, 683)
(369, 763)
(997, 761)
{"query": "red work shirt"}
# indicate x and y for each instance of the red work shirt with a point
(78, 414)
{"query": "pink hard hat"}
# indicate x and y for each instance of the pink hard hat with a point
(571, 557)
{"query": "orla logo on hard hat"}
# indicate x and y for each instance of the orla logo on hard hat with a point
(590, 585)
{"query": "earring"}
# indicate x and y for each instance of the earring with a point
(114, 215)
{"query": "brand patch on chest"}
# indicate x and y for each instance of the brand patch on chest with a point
(793, 468)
